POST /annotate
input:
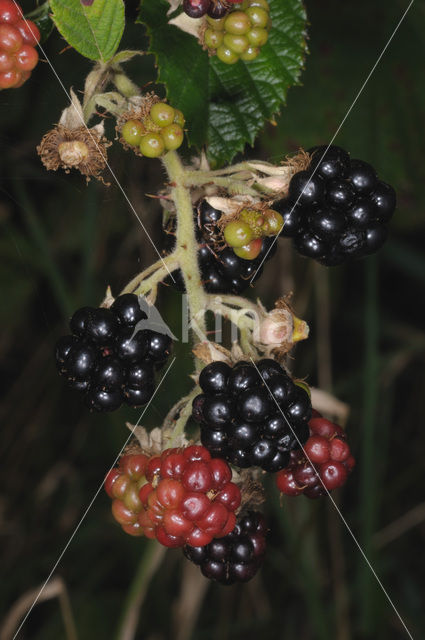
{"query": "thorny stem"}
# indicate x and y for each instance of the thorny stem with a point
(187, 244)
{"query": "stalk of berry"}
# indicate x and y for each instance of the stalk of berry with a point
(237, 556)
(18, 39)
(182, 496)
(337, 209)
(323, 464)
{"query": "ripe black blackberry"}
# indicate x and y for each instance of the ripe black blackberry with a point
(239, 419)
(108, 359)
(337, 209)
(222, 271)
(235, 557)
(198, 8)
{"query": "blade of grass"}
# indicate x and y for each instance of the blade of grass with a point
(368, 489)
(151, 559)
(318, 617)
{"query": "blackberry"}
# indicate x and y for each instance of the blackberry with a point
(240, 420)
(237, 556)
(337, 209)
(108, 359)
(222, 271)
(322, 465)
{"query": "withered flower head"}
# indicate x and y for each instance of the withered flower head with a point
(78, 148)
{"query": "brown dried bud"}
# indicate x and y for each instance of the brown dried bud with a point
(81, 148)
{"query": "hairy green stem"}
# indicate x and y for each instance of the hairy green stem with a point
(186, 243)
(148, 279)
(233, 186)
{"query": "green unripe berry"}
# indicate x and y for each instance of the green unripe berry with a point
(257, 36)
(226, 55)
(238, 44)
(256, 3)
(258, 16)
(172, 136)
(238, 23)
(274, 222)
(213, 39)
(237, 233)
(132, 132)
(162, 114)
(152, 145)
(217, 25)
(250, 54)
(179, 118)
(249, 251)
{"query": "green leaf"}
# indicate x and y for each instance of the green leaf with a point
(94, 30)
(227, 105)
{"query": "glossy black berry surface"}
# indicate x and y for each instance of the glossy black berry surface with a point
(236, 557)
(251, 415)
(334, 208)
(108, 359)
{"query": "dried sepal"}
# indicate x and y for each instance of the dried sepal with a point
(192, 26)
(109, 299)
(209, 352)
(80, 148)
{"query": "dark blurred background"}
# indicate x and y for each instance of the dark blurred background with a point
(63, 242)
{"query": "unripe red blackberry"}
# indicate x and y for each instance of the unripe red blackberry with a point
(322, 465)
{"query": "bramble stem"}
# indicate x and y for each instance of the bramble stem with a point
(186, 243)
(149, 279)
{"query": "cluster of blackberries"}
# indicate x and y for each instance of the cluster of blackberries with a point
(222, 270)
(108, 359)
(337, 209)
(236, 557)
(240, 420)
(213, 8)
(322, 465)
